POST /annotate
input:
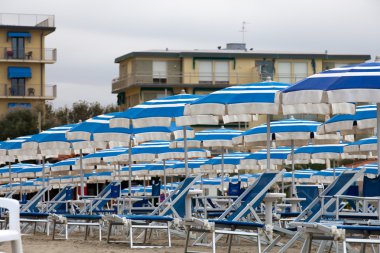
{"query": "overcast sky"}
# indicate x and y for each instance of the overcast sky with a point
(90, 34)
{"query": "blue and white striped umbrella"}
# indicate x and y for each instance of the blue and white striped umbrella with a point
(97, 133)
(363, 145)
(370, 168)
(194, 166)
(355, 83)
(230, 163)
(65, 165)
(363, 119)
(238, 103)
(258, 159)
(327, 151)
(50, 142)
(221, 137)
(286, 132)
(12, 149)
(334, 91)
(153, 113)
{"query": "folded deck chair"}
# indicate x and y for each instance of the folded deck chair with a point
(324, 204)
(58, 203)
(236, 220)
(89, 215)
(31, 205)
(173, 207)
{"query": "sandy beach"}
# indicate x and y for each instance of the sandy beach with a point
(43, 244)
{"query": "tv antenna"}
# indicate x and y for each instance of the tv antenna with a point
(243, 30)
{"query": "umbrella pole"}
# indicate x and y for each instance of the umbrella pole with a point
(81, 173)
(268, 143)
(130, 174)
(10, 176)
(378, 136)
(185, 150)
(43, 175)
(292, 150)
(164, 177)
(222, 173)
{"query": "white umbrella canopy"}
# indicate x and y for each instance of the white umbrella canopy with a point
(335, 91)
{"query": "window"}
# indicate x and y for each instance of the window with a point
(222, 72)
(284, 72)
(300, 71)
(205, 71)
(17, 87)
(18, 47)
(291, 72)
(265, 69)
(159, 71)
(149, 94)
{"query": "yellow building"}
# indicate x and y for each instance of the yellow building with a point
(146, 75)
(22, 61)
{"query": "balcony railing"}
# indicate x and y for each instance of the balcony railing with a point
(34, 20)
(196, 79)
(29, 91)
(199, 79)
(29, 54)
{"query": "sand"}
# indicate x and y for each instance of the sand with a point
(43, 244)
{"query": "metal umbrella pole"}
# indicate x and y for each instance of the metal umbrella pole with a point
(222, 172)
(378, 135)
(81, 173)
(185, 150)
(268, 142)
(130, 174)
(10, 176)
(292, 191)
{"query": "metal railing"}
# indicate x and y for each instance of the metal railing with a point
(14, 19)
(29, 91)
(194, 78)
(29, 54)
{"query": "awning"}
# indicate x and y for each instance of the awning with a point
(18, 34)
(19, 72)
(19, 105)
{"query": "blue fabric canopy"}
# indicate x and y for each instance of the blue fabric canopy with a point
(19, 34)
(19, 72)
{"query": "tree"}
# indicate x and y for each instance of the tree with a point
(18, 123)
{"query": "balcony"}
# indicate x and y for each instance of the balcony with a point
(27, 20)
(29, 91)
(46, 55)
(191, 79)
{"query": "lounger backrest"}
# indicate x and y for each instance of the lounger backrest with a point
(103, 197)
(371, 187)
(31, 205)
(234, 189)
(309, 192)
(178, 199)
(338, 187)
(63, 195)
(253, 196)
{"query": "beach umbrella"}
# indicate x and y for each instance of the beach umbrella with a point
(97, 133)
(155, 113)
(293, 132)
(360, 122)
(231, 163)
(214, 139)
(239, 103)
(193, 164)
(335, 91)
(258, 159)
(364, 145)
(326, 151)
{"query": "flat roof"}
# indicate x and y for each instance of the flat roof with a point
(223, 53)
(28, 28)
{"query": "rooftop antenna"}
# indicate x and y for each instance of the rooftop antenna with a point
(243, 30)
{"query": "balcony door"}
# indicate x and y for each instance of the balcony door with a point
(17, 87)
(18, 47)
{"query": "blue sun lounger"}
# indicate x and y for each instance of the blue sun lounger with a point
(318, 209)
(173, 207)
(237, 219)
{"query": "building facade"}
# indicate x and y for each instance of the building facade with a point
(23, 56)
(146, 75)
